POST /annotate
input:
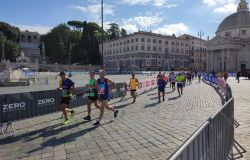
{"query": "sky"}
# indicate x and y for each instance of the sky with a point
(166, 17)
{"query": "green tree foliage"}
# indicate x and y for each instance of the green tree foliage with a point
(84, 39)
(9, 35)
(123, 33)
(114, 31)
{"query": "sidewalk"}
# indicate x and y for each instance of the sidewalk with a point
(143, 130)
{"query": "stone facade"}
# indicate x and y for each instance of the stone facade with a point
(229, 49)
(29, 42)
(148, 51)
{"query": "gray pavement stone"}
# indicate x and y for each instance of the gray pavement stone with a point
(143, 130)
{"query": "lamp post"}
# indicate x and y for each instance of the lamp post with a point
(2, 45)
(70, 74)
(201, 34)
(102, 34)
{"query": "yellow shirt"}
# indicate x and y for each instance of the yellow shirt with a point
(133, 84)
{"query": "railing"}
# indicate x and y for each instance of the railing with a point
(214, 140)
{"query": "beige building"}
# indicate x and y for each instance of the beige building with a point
(229, 49)
(148, 51)
(29, 42)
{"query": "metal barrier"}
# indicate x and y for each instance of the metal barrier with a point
(213, 140)
(31, 104)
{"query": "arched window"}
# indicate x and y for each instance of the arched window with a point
(29, 38)
(22, 38)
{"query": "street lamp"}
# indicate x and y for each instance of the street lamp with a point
(102, 33)
(70, 74)
(201, 34)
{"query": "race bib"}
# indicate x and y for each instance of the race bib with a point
(101, 88)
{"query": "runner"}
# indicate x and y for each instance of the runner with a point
(238, 76)
(199, 76)
(189, 78)
(93, 95)
(161, 88)
(169, 76)
(66, 86)
(103, 90)
(180, 79)
(133, 83)
(173, 80)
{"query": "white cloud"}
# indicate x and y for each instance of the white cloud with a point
(145, 21)
(130, 28)
(94, 9)
(227, 8)
(178, 29)
(158, 3)
(41, 29)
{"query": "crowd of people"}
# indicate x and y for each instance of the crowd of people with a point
(99, 91)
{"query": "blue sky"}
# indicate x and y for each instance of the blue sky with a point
(161, 16)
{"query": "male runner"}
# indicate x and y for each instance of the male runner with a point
(161, 88)
(66, 86)
(180, 79)
(93, 94)
(133, 83)
(173, 80)
(103, 90)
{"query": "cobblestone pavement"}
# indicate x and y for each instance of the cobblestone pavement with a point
(241, 94)
(143, 130)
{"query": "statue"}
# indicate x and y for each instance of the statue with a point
(22, 58)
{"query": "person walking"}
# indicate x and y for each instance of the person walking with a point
(238, 76)
(67, 87)
(173, 80)
(133, 84)
(103, 85)
(93, 94)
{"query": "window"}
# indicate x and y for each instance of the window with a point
(177, 50)
(148, 40)
(124, 49)
(172, 50)
(154, 41)
(142, 48)
(228, 34)
(186, 45)
(177, 43)
(124, 42)
(166, 50)
(136, 40)
(154, 49)
(132, 40)
(128, 49)
(120, 50)
(159, 41)
(166, 42)
(243, 32)
(182, 44)
(142, 39)
(120, 43)
(159, 49)
(113, 44)
(192, 42)
(148, 48)
(173, 43)
(132, 48)
(136, 48)
(127, 41)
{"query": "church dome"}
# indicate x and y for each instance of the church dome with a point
(240, 18)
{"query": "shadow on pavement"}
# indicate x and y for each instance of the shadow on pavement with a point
(122, 105)
(151, 105)
(173, 98)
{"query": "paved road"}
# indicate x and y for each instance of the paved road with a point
(241, 92)
(144, 130)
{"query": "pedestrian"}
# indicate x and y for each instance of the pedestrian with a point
(67, 87)
(238, 76)
(103, 85)
(133, 84)
(93, 94)
(199, 76)
(180, 79)
(161, 88)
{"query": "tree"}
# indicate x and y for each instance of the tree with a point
(123, 33)
(76, 24)
(10, 37)
(114, 31)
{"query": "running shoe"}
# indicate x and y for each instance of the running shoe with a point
(72, 112)
(87, 118)
(97, 123)
(66, 121)
(115, 113)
